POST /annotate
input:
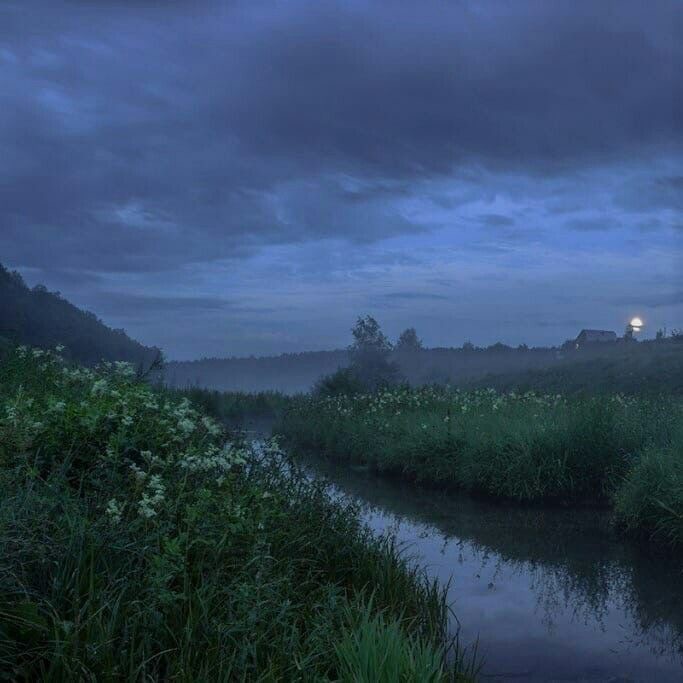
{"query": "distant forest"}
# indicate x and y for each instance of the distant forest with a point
(609, 366)
(37, 317)
(631, 368)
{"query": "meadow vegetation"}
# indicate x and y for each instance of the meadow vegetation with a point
(626, 452)
(137, 542)
(232, 407)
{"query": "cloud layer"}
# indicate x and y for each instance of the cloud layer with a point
(154, 150)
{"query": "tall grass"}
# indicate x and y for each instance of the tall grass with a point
(529, 447)
(136, 545)
(234, 406)
(650, 500)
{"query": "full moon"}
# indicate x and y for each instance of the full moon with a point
(636, 322)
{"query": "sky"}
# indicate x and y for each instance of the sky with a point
(237, 178)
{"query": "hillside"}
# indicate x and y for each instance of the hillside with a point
(37, 317)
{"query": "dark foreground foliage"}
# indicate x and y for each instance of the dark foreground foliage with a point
(136, 545)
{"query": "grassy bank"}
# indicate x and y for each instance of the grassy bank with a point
(604, 450)
(136, 545)
(232, 407)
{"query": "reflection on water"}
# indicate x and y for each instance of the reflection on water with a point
(552, 594)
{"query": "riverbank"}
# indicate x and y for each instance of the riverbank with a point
(552, 592)
(136, 544)
(624, 452)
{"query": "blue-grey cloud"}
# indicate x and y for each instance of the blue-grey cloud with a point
(143, 140)
(413, 296)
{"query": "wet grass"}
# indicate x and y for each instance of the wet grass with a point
(231, 407)
(136, 545)
(625, 452)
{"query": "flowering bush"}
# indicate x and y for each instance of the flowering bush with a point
(138, 542)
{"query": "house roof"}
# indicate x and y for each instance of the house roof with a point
(596, 334)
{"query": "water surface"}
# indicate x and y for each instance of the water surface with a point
(552, 595)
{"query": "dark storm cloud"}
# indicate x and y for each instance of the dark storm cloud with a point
(656, 300)
(412, 296)
(592, 224)
(118, 303)
(664, 192)
(215, 128)
(265, 157)
(496, 220)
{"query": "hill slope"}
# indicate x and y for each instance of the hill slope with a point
(37, 317)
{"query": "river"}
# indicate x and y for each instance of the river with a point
(549, 594)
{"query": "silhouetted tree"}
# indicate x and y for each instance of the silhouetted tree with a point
(370, 355)
(409, 341)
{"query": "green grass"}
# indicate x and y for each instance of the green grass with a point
(136, 545)
(650, 499)
(234, 406)
(529, 448)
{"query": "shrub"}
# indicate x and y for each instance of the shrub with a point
(135, 543)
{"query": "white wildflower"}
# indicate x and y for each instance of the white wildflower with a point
(114, 511)
(140, 475)
(187, 426)
(99, 387)
(123, 368)
(152, 498)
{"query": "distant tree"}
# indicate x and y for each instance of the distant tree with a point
(370, 355)
(499, 347)
(368, 337)
(661, 334)
(409, 341)
(468, 346)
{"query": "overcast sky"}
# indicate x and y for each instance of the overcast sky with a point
(226, 178)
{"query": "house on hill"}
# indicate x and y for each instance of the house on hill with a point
(595, 337)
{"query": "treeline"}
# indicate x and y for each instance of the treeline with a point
(289, 372)
(654, 366)
(618, 366)
(299, 372)
(38, 317)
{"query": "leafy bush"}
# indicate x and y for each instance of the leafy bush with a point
(344, 382)
(136, 544)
